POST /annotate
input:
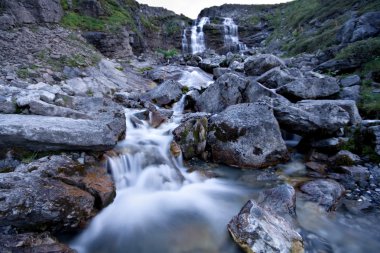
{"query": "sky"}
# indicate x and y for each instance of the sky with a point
(191, 8)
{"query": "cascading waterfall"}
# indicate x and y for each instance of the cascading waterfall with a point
(185, 44)
(198, 44)
(231, 36)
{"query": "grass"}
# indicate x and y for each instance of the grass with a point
(144, 69)
(370, 102)
(168, 54)
(23, 73)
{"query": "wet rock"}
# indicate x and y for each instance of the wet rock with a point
(157, 117)
(191, 135)
(53, 193)
(164, 73)
(310, 118)
(246, 135)
(275, 78)
(309, 88)
(224, 92)
(129, 100)
(256, 229)
(258, 65)
(237, 66)
(325, 192)
(32, 242)
(350, 81)
(166, 93)
(344, 157)
(280, 200)
(358, 174)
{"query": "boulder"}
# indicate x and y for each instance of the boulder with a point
(344, 157)
(339, 66)
(246, 135)
(309, 88)
(258, 65)
(325, 192)
(209, 64)
(32, 242)
(224, 92)
(255, 91)
(350, 93)
(359, 28)
(374, 133)
(218, 72)
(280, 200)
(39, 107)
(275, 78)
(166, 93)
(308, 119)
(7, 106)
(350, 81)
(191, 135)
(256, 229)
(56, 133)
(53, 193)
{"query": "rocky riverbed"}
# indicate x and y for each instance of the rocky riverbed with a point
(249, 150)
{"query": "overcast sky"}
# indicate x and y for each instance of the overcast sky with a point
(191, 8)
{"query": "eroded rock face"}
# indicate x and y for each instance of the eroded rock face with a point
(246, 135)
(258, 65)
(257, 229)
(53, 193)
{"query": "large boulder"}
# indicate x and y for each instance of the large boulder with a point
(275, 78)
(311, 118)
(260, 228)
(227, 90)
(310, 88)
(258, 65)
(325, 192)
(191, 135)
(209, 64)
(246, 135)
(166, 93)
(53, 193)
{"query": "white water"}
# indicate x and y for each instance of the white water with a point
(231, 35)
(185, 44)
(198, 44)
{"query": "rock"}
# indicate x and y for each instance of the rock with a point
(275, 78)
(280, 200)
(175, 149)
(157, 117)
(316, 166)
(237, 66)
(308, 119)
(164, 73)
(166, 93)
(365, 26)
(56, 133)
(32, 242)
(255, 91)
(191, 135)
(344, 157)
(39, 107)
(209, 64)
(350, 93)
(224, 92)
(348, 105)
(8, 165)
(350, 81)
(309, 88)
(218, 72)
(374, 134)
(246, 135)
(258, 65)
(256, 229)
(325, 192)
(329, 145)
(339, 66)
(53, 193)
(7, 106)
(357, 174)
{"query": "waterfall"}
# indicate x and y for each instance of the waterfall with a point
(198, 44)
(185, 44)
(231, 36)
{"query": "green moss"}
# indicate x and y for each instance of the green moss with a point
(90, 92)
(185, 89)
(23, 73)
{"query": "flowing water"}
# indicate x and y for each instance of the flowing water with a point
(231, 36)
(162, 207)
(198, 44)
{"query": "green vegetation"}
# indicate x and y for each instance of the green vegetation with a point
(90, 92)
(144, 69)
(172, 28)
(370, 102)
(168, 54)
(23, 72)
(359, 144)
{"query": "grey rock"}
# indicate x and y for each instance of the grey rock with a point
(246, 135)
(365, 26)
(350, 93)
(39, 107)
(339, 66)
(348, 105)
(32, 242)
(275, 78)
(329, 145)
(224, 92)
(53, 194)
(310, 88)
(164, 73)
(237, 66)
(166, 93)
(191, 135)
(55, 133)
(209, 64)
(255, 91)
(374, 134)
(256, 229)
(308, 119)
(7, 106)
(325, 192)
(218, 72)
(280, 200)
(350, 81)
(356, 173)
(258, 65)
(344, 157)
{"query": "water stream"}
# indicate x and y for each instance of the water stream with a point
(231, 36)
(162, 207)
(197, 36)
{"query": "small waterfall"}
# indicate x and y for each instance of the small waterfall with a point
(231, 36)
(185, 44)
(198, 44)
